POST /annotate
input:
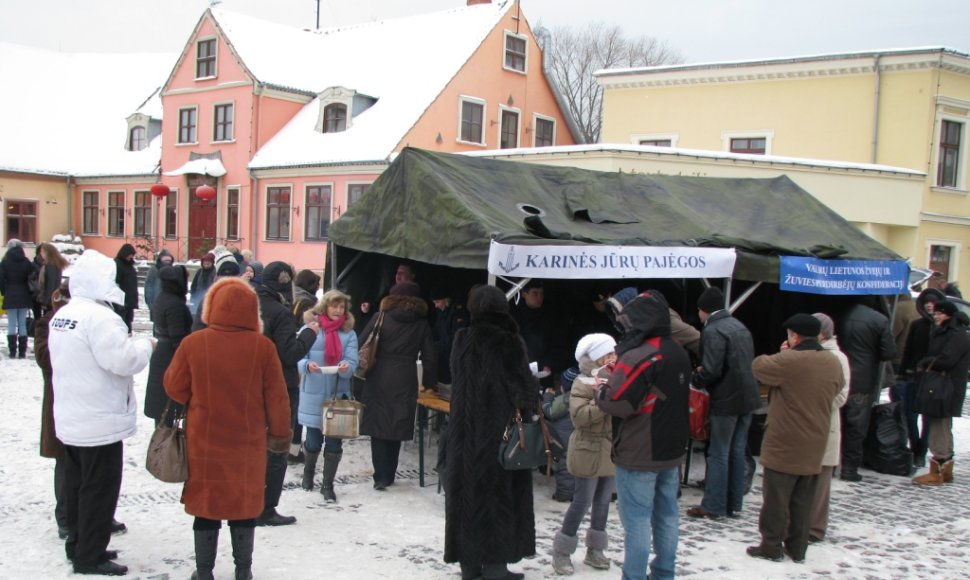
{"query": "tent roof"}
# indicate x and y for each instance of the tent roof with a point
(444, 209)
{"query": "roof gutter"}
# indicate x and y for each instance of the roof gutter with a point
(556, 89)
(875, 110)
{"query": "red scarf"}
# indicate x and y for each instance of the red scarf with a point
(331, 340)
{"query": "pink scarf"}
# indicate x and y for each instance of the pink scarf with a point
(331, 340)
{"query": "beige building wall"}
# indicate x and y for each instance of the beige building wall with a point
(885, 108)
(48, 194)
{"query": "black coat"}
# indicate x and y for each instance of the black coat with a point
(867, 340)
(727, 350)
(489, 516)
(390, 395)
(446, 324)
(50, 280)
(280, 327)
(15, 268)
(127, 279)
(950, 352)
(173, 322)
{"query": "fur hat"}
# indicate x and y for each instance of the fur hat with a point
(226, 265)
(406, 289)
(803, 325)
(711, 300)
(595, 346)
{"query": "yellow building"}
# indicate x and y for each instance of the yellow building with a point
(903, 108)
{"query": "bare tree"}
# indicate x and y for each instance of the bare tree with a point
(574, 55)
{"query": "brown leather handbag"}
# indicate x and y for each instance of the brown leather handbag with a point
(367, 353)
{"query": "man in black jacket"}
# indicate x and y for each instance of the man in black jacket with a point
(727, 350)
(275, 307)
(866, 338)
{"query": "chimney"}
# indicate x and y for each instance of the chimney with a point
(474, 2)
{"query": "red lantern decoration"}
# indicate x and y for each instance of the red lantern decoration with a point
(205, 192)
(160, 190)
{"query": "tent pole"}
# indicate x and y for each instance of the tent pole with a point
(347, 270)
(727, 292)
(516, 286)
(743, 297)
(333, 263)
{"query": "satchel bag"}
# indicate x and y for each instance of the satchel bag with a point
(529, 445)
(340, 418)
(367, 353)
(933, 393)
(700, 406)
(167, 460)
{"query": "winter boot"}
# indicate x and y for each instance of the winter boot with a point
(12, 345)
(933, 477)
(242, 551)
(206, 543)
(946, 468)
(309, 469)
(596, 542)
(563, 547)
(330, 463)
(22, 341)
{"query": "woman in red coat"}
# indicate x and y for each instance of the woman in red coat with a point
(230, 378)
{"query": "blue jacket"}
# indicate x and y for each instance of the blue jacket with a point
(315, 388)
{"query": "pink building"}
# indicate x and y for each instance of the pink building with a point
(291, 126)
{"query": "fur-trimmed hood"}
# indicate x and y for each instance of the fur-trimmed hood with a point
(406, 303)
(231, 304)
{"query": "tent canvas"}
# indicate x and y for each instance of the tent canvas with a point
(446, 209)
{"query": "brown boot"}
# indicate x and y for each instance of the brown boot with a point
(947, 468)
(933, 477)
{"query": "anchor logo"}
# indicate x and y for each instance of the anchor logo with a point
(509, 259)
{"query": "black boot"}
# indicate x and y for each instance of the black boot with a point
(242, 551)
(330, 463)
(12, 345)
(309, 469)
(206, 543)
(22, 341)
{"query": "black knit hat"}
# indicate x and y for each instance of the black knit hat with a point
(947, 307)
(711, 300)
(804, 325)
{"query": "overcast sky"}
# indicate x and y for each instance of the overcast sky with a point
(702, 30)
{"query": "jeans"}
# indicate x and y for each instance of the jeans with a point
(906, 393)
(315, 441)
(595, 491)
(650, 517)
(17, 321)
(727, 468)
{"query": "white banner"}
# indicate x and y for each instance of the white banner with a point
(591, 262)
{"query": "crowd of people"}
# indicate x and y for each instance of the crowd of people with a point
(249, 355)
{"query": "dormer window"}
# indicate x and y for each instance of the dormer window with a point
(335, 118)
(137, 139)
(205, 59)
(515, 52)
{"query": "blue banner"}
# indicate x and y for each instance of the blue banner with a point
(815, 276)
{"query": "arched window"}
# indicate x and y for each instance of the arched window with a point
(335, 118)
(137, 140)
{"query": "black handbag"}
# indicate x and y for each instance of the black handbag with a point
(529, 445)
(933, 393)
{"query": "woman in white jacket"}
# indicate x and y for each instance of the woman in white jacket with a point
(820, 506)
(93, 362)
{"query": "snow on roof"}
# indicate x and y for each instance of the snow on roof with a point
(65, 113)
(696, 153)
(404, 63)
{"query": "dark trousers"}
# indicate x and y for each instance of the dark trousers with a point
(384, 455)
(60, 505)
(786, 510)
(855, 427)
(92, 483)
(294, 418)
(275, 474)
(203, 524)
(906, 393)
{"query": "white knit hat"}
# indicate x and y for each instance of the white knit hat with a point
(595, 346)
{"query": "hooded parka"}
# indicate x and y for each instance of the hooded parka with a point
(173, 322)
(15, 268)
(949, 352)
(230, 376)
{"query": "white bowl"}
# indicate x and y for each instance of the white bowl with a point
(329, 370)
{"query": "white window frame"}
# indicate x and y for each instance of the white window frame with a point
(635, 138)
(178, 127)
(265, 208)
(99, 211)
(124, 213)
(954, 245)
(962, 158)
(535, 123)
(306, 211)
(212, 135)
(225, 210)
(477, 101)
(347, 192)
(173, 193)
(215, 58)
(767, 134)
(501, 126)
(505, 51)
(336, 96)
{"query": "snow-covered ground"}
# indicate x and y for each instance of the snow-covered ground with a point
(884, 527)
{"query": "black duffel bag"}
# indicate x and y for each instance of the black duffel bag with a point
(886, 448)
